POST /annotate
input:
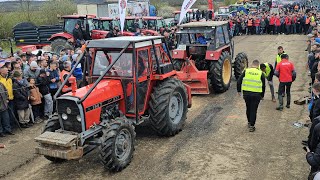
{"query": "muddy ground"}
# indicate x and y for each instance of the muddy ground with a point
(215, 142)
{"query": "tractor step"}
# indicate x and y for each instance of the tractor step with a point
(59, 145)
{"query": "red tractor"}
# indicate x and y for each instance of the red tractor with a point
(131, 80)
(208, 47)
(90, 29)
(153, 25)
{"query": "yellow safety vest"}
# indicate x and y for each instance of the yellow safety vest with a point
(279, 57)
(268, 70)
(252, 80)
(7, 82)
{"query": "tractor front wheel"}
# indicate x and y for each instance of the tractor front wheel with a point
(220, 73)
(168, 107)
(52, 125)
(240, 64)
(117, 144)
(59, 44)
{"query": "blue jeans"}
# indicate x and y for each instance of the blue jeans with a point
(4, 122)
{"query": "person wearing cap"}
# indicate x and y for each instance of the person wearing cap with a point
(43, 82)
(252, 84)
(268, 72)
(7, 82)
(33, 71)
(286, 72)
(21, 99)
(63, 75)
(5, 118)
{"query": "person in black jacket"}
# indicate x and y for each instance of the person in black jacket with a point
(252, 85)
(43, 82)
(77, 34)
(21, 99)
(314, 116)
(313, 159)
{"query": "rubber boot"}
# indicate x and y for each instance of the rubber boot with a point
(288, 101)
(280, 107)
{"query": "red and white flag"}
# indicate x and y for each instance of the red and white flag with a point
(122, 13)
(187, 4)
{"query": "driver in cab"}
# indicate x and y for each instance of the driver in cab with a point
(201, 39)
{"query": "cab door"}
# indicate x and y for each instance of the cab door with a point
(143, 75)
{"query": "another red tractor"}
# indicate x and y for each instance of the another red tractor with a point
(153, 25)
(65, 39)
(207, 46)
(102, 26)
(131, 80)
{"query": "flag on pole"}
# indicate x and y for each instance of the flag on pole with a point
(122, 13)
(185, 7)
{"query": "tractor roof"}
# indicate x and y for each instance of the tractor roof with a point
(78, 16)
(204, 24)
(105, 18)
(123, 41)
(151, 18)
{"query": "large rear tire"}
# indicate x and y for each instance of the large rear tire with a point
(117, 144)
(59, 44)
(52, 125)
(220, 73)
(168, 107)
(240, 64)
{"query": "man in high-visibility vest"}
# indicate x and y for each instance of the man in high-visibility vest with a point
(252, 85)
(286, 72)
(268, 72)
(278, 58)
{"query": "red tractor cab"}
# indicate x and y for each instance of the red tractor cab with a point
(131, 79)
(65, 39)
(186, 19)
(153, 25)
(102, 26)
(130, 25)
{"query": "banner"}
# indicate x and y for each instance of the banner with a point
(113, 11)
(122, 12)
(187, 4)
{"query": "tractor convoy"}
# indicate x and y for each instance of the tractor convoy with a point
(133, 79)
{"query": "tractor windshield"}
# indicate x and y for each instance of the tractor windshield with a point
(132, 24)
(122, 68)
(69, 24)
(105, 25)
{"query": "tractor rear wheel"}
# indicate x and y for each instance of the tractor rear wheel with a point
(117, 144)
(168, 107)
(52, 125)
(177, 64)
(240, 64)
(59, 44)
(220, 73)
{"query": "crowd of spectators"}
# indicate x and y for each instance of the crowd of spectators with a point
(28, 83)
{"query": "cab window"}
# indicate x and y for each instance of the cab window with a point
(143, 62)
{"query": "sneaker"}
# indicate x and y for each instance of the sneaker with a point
(279, 108)
(252, 129)
(24, 126)
(38, 120)
(274, 100)
(288, 106)
(2, 135)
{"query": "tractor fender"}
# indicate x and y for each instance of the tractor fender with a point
(62, 35)
(179, 54)
(215, 55)
(127, 33)
(99, 34)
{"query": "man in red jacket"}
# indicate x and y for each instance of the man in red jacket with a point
(271, 24)
(286, 72)
(288, 24)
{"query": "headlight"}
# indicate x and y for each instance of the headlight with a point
(64, 116)
(78, 118)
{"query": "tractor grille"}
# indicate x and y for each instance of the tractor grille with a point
(71, 124)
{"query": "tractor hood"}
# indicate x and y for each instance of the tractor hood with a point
(106, 90)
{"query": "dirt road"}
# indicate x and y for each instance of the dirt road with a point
(215, 143)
